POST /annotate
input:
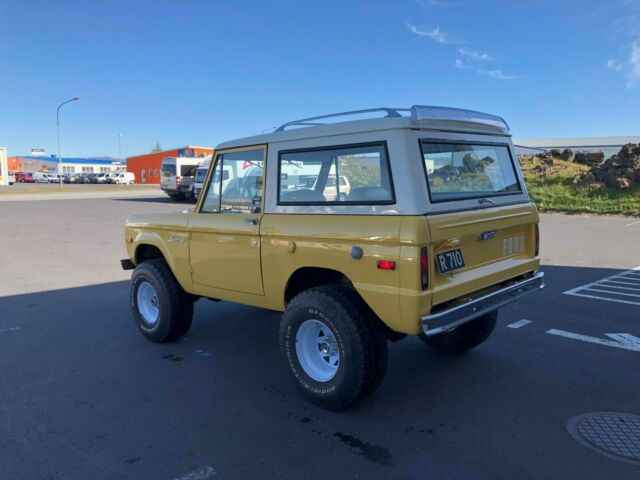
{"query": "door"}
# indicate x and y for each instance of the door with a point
(225, 231)
(168, 172)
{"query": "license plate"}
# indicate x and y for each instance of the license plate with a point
(449, 260)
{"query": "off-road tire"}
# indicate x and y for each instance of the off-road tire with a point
(465, 337)
(174, 305)
(362, 346)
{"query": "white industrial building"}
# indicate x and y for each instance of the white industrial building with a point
(40, 163)
(608, 145)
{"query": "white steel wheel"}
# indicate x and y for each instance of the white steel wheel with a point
(147, 300)
(317, 350)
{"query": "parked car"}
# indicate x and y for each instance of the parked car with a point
(11, 177)
(102, 177)
(55, 177)
(24, 177)
(333, 192)
(435, 235)
(123, 178)
(40, 177)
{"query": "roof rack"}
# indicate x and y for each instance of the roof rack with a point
(419, 113)
(390, 112)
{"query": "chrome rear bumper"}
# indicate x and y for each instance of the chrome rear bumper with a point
(451, 318)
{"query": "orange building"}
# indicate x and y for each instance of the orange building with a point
(146, 167)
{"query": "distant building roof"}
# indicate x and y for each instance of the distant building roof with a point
(171, 152)
(87, 160)
(576, 142)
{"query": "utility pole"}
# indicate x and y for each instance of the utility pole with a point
(58, 132)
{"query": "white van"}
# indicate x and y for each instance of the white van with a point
(201, 174)
(39, 177)
(178, 176)
(123, 178)
(11, 177)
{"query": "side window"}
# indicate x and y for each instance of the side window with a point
(211, 203)
(236, 183)
(242, 181)
(350, 174)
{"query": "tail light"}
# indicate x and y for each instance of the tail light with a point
(424, 268)
(386, 265)
(178, 178)
(537, 237)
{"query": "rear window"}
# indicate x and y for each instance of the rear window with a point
(308, 177)
(461, 171)
(168, 170)
(187, 170)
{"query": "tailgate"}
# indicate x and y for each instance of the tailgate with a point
(168, 183)
(496, 244)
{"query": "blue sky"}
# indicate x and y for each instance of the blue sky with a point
(186, 72)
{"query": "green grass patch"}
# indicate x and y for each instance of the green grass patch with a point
(558, 193)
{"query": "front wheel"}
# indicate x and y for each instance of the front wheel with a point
(332, 347)
(162, 311)
(465, 337)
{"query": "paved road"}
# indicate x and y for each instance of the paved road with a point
(28, 192)
(83, 395)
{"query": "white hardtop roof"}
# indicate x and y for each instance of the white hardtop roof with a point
(421, 117)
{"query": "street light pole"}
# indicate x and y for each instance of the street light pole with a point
(120, 135)
(58, 132)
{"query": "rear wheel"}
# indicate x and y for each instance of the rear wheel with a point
(161, 310)
(465, 337)
(333, 350)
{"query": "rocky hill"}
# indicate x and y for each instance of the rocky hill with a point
(622, 171)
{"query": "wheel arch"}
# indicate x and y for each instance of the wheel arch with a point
(147, 251)
(305, 278)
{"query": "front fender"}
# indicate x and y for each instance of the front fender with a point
(173, 245)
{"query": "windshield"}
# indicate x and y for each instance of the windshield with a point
(200, 175)
(462, 171)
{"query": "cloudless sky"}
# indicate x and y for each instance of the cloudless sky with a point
(187, 72)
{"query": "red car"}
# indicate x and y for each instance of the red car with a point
(22, 177)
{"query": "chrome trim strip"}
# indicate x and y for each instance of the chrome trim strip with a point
(454, 317)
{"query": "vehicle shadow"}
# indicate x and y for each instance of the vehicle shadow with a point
(73, 361)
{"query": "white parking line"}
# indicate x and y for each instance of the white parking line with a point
(628, 280)
(199, 474)
(519, 323)
(624, 341)
(591, 289)
(632, 223)
(10, 329)
(606, 284)
(622, 283)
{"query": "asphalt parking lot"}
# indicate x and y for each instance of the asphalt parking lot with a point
(85, 396)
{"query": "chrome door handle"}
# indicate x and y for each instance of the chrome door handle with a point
(252, 221)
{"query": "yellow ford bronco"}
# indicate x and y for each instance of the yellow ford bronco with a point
(360, 231)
